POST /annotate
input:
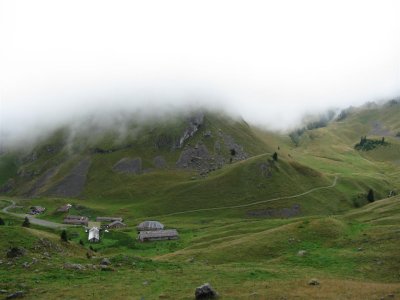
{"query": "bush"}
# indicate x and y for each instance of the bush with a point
(26, 222)
(64, 236)
(370, 196)
(275, 156)
(2, 221)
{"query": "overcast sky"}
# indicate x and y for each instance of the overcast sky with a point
(269, 61)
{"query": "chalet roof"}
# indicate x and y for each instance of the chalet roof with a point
(94, 233)
(116, 223)
(150, 225)
(71, 217)
(158, 234)
(111, 219)
(64, 208)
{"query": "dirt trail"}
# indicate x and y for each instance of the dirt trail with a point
(32, 219)
(258, 202)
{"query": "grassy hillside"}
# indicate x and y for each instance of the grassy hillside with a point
(253, 227)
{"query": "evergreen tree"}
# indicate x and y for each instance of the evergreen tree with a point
(64, 236)
(26, 222)
(275, 156)
(370, 196)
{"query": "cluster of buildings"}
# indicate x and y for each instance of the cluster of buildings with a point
(147, 230)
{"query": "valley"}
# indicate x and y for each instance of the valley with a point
(253, 226)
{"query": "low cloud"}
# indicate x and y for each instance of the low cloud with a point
(270, 63)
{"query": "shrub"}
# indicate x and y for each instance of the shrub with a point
(64, 236)
(370, 196)
(26, 222)
(2, 221)
(275, 156)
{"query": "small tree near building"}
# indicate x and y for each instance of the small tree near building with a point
(26, 222)
(64, 236)
(370, 196)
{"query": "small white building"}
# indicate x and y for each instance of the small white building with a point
(94, 235)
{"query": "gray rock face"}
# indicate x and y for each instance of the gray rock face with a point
(8, 186)
(72, 185)
(266, 169)
(194, 123)
(197, 158)
(230, 144)
(286, 212)
(16, 252)
(205, 292)
(41, 182)
(159, 162)
(128, 165)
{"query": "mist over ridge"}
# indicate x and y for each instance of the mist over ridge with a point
(269, 63)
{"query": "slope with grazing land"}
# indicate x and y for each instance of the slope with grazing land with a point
(252, 226)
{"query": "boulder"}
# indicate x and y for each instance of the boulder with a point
(105, 262)
(16, 252)
(205, 292)
(301, 253)
(313, 281)
(69, 266)
(15, 295)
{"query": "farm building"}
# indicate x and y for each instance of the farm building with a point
(76, 220)
(116, 224)
(108, 219)
(94, 235)
(158, 235)
(64, 208)
(34, 210)
(150, 226)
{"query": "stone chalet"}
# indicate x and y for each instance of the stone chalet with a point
(108, 219)
(116, 224)
(76, 220)
(158, 235)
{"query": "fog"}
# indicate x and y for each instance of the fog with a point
(270, 62)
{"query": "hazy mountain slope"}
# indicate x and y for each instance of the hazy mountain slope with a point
(207, 160)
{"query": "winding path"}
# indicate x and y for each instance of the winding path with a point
(258, 202)
(32, 219)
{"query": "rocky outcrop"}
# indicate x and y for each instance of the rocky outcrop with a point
(205, 291)
(313, 281)
(286, 212)
(16, 252)
(159, 162)
(8, 186)
(72, 185)
(194, 123)
(236, 150)
(41, 182)
(128, 166)
(198, 158)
